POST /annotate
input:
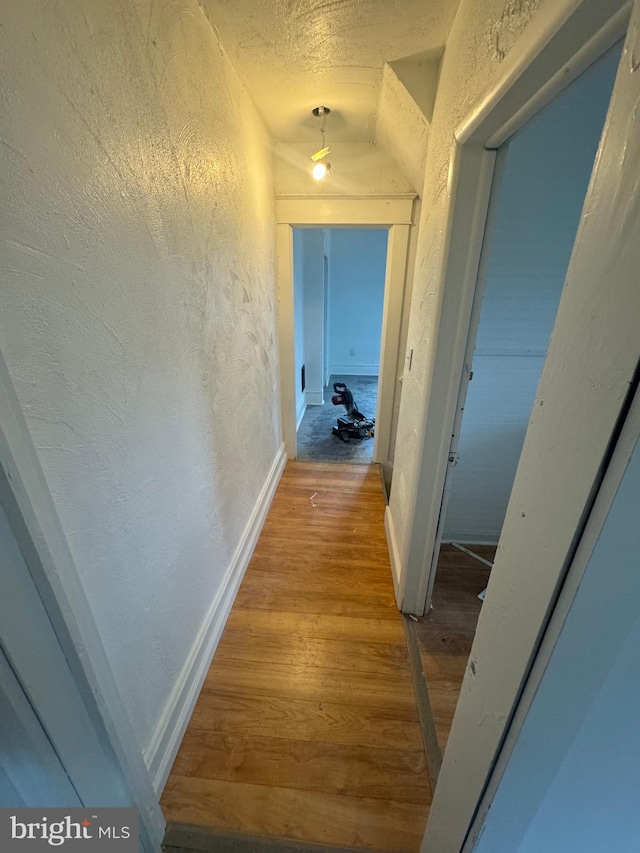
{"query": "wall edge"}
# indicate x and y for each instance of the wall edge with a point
(167, 736)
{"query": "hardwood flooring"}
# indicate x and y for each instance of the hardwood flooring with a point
(307, 726)
(445, 635)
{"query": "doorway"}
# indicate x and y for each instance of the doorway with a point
(339, 284)
(540, 182)
(393, 213)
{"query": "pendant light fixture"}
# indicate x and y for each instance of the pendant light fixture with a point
(322, 167)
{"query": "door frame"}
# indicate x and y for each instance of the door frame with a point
(28, 504)
(560, 42)
(393, 212)
(467, 367)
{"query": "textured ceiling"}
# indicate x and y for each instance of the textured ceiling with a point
(296, 54)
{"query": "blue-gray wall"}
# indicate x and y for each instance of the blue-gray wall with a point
(538, 206)
(357, 264)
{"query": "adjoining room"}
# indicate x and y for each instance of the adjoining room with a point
(339, 281)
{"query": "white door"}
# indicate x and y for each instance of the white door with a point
(49, 751)
(31, 773)
(55, 678)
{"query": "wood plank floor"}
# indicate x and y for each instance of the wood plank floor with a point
(445, 635)
(307, 726)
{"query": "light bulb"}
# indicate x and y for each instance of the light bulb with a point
(319, 171)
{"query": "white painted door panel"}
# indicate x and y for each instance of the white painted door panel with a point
(30, 771)
(30, 648)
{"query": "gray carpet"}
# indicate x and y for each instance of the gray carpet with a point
(316, 442)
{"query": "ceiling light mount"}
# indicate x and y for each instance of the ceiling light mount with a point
(322, 167)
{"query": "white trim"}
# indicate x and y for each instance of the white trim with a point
(165, 742)
(473, 553)
(392, 544)
(391, 359)
(315, 398)
(347, 196)
(301, 408)
(354, 369)
(559, 44)
(286, 340)
(471, 177)
(361, 210)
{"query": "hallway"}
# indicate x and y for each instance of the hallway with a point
(307, 727)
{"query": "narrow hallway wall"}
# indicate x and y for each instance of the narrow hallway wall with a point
(137, 312)
(483, 33)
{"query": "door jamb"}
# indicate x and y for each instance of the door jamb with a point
(467, 369)
(556, 48)
(559, 43)
(394, 212)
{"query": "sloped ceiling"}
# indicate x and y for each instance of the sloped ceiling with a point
(296, 54)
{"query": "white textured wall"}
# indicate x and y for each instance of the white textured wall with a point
(537, 210)
(137, 313)
(482, 33)
(356, 295)
(401, 126)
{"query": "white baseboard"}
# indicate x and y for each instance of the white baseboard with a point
(166, 739)
(301, 408)
(355, 369)
(315, 398)
(478, 539)
(394, 556)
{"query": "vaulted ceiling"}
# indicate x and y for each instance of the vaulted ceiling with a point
(296, 54)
